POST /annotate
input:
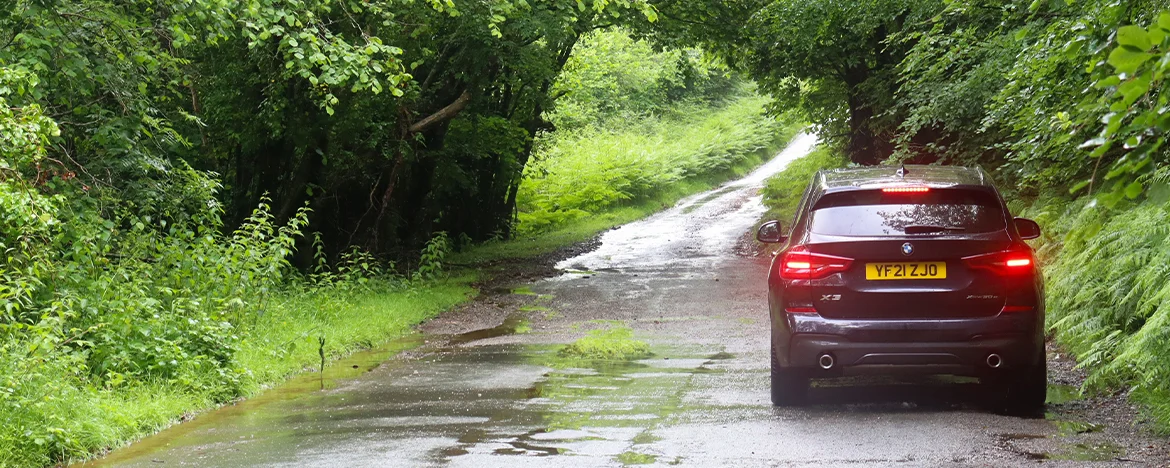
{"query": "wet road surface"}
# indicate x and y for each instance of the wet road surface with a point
(503, 396)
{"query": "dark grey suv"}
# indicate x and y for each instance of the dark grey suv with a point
(918, 269)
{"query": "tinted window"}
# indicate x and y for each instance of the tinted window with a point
(873, 213)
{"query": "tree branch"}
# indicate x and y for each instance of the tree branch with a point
(443, 114)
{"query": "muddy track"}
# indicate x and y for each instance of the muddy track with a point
(485, 385)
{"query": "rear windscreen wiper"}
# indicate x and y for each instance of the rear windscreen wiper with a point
(929, 229)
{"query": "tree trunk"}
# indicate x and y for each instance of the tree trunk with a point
(863, 146)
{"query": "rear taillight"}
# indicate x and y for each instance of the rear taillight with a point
(1006, 263)
(799, 263)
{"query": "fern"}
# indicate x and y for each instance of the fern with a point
(1109, 293)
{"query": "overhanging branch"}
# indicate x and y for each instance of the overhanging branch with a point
(443, 114)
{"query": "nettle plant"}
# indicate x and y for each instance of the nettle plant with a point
(354, 270)
(430, 263)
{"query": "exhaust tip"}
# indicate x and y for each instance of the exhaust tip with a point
(994, 361)
(826, 361)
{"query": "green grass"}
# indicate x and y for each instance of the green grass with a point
(285, 341)
(582, 173)
(782, 192)
(635, 458)
(615, 342)
(67, 417)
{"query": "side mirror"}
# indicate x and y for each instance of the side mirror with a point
(770, 233)
(1027, 228)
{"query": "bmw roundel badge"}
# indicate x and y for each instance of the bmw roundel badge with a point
(907, 249)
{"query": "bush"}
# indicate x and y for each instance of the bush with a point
(612, 79)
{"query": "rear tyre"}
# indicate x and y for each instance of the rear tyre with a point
(1029, 390)
(789, 386)
(1024, 391)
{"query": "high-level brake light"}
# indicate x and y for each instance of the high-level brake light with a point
(911, 189)
(799, 263)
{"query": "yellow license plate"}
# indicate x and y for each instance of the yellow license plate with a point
(905, 271)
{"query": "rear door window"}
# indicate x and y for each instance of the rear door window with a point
(873, 213)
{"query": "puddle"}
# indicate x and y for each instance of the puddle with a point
(709, 197)
(1069, 428)
(1088, 452)
(1061, 394)
(304, 384)
(525, 448)
(514, 324)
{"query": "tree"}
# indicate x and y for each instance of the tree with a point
(348, 107)
(1054, 95)
(833, 60)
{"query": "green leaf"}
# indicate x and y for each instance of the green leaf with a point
(1133, 89)
(1080, 185)
(1126, 60)
(1108, 82)
(1164, 122)
(1133, 190)
(1134, 36)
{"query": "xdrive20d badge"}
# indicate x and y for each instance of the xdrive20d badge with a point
(916, 270)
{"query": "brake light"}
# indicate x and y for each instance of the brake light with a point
(1018, 262)
(906, 189)
(799, 263)
(1009, 262)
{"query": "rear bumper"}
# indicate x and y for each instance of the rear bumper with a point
(958, 347)
(959, 358)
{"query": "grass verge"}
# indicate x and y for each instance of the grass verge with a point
(75, 419)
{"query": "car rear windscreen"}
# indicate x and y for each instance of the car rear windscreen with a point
(873, 213)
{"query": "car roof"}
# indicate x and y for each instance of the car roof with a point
(911, 174)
